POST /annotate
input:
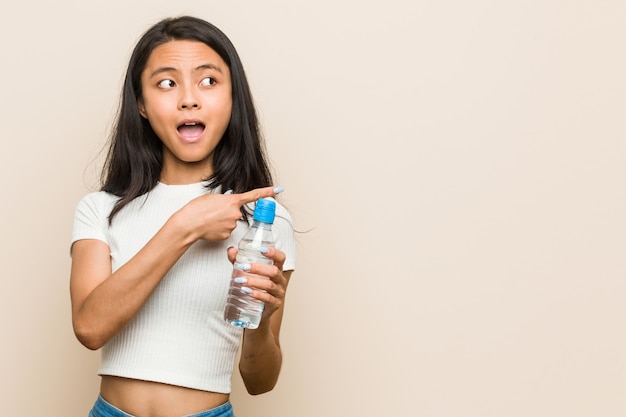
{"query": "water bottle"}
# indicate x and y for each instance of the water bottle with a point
(241, 309)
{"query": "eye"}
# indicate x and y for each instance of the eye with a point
(208, 81)
(166, 84)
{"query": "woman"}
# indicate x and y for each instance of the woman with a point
(152, 252)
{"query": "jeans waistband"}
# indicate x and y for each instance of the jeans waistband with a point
(104, 409)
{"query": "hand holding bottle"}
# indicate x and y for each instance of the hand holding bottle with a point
(265, 282)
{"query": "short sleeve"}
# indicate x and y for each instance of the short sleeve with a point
(285, 238)
(91, 217)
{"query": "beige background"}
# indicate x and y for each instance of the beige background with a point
(460, 167)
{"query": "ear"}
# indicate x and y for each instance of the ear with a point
(142, 108)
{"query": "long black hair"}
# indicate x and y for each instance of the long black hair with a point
(135, 158)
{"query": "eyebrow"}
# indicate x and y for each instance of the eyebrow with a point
(161, 70)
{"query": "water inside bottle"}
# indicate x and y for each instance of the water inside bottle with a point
(241, 309)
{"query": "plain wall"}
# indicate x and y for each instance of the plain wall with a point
(458, 168)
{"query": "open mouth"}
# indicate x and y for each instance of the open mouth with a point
(191, 129)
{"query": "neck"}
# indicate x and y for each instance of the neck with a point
(188, 173)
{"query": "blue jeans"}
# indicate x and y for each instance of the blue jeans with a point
(103, 409)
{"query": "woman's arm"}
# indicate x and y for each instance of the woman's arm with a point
(261, 355)
(104, 302)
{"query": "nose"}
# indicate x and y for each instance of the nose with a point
(188, 99)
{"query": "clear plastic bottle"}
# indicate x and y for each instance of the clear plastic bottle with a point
(241, 309)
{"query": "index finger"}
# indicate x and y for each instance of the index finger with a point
(254, 195)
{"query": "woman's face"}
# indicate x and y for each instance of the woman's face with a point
(187, 100)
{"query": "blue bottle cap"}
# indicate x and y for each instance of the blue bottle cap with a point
(265, 211)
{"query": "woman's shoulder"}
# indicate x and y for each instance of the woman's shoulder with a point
(91, 216)
(99, 197)
(97, 201)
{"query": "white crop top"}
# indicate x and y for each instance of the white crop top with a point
(179, 336)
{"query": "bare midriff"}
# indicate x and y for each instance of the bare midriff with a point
(153, 399)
